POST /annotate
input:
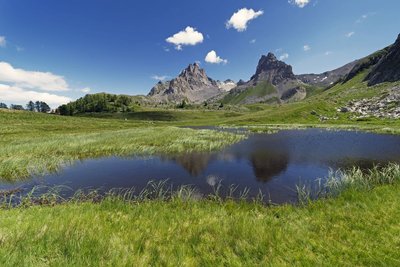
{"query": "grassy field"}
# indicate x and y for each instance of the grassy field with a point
(36, 143)
(359, 227)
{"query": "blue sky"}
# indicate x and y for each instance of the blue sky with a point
(118, 46)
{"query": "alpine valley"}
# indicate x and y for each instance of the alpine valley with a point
(370, 84)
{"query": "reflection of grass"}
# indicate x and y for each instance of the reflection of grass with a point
(36, 143)
(357, 227)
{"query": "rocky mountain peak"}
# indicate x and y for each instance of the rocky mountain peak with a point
(270, 56)
(192, 85)
(271, 69)
(193, 70)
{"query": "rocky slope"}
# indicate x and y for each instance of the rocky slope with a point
(273, 81)
(384, 106)
(329, 77)
(192, 85)
(388, 67)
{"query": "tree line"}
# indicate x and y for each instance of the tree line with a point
(38, 106)
(101, 102)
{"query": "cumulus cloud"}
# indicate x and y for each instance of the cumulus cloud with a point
(3, 41)
(306, 48)
(189, 36)
(350, 34)
(299, 3)
(213, 58)
(241, 18)
(253, 41)
(284, 56)
(160, 77)
(17, 95)
(45, 81)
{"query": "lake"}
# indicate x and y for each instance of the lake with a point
(273, 163)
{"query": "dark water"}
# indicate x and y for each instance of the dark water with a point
(272, 163)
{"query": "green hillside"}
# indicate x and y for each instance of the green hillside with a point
(257, 92)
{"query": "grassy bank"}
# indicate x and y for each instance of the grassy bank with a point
(36, 143)
(359, 227)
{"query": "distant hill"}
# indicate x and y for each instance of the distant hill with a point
(102, 102)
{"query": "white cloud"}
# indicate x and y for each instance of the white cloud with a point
(241, 18)
(279, 50)
(160, 78)
(86, 90)
(213, 58)
(17, 95)
(284, 56)
(350, 34)
(299, 3)
(306, 48)
(45, 81)
(253, 41)
(19, 48)
(327, 53)
(189, 36)
(3, 41)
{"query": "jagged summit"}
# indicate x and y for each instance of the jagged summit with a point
(193, 70)
(192, 85)
(271, 69)
(273, 81)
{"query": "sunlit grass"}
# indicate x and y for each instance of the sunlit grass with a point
(354, 228)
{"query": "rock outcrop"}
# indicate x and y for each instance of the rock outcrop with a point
(270, 69)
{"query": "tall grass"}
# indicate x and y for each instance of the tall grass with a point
(353, 179)
(165, 227)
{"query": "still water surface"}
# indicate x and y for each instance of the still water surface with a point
(272, 163)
